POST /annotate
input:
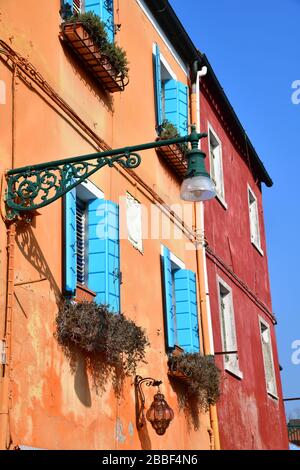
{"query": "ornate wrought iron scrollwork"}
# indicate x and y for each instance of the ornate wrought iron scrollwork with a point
(140, 397)
(34, 187)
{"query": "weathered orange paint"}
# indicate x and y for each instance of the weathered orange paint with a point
(52, 407)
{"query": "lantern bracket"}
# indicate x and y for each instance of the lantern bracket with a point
(140, 397)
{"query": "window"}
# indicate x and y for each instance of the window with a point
(171, 95)
(254, 220)
(134, 221)
(103, 8)
(75, 6)
(180, 304)
(91, 245)
(81, 240)
(216, 166)
(228, 330)
(268, 357)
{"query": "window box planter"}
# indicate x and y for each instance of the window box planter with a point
(90, 55)
(173, 369)
(93, 329)
(199, 374)
(175, 157)
(83, 294)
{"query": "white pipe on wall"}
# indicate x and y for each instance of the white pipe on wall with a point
(202, 73)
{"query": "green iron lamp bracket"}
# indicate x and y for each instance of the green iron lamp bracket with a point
(32, 187)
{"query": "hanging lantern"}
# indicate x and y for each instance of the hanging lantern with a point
(160, 414)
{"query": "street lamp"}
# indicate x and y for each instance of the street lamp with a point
(197, 184)
(35, 186)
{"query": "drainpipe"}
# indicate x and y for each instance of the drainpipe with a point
(6, 334)
(206, 323)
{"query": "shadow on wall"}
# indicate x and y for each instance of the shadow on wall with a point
(31, 251)
(142, 431)
(105, 99)
(187, 403)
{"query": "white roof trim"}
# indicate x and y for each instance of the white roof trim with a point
(154, 23)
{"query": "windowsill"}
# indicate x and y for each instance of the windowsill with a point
(222, 201)
(273, 396)
(136, 246)
(84, 294)
(259, 249)
(235, 372)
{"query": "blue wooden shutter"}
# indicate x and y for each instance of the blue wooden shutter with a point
(108, 18)
(168, 298)
(104, 252)
(186, 310)
(176, 105)
(182, 108)
(158, 88)
(105, 10)
(70, 242)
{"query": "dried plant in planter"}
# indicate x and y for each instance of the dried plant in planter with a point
(95, 27)
(200, 376)
(94, 329)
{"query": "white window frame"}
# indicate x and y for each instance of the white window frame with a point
(252, 235)
(86, 191)
(164, 62)
(261, 321)
(137, 243)
(160, 32)
(174, 258)
(220, 196)
(227, 365)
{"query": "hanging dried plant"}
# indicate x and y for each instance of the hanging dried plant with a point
(200, 376)
(94, 329)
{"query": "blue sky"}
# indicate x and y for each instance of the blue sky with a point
(253, 47)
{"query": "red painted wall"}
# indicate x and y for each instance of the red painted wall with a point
(248, 417)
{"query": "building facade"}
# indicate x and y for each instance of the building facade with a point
(239, 290)
(57, 103)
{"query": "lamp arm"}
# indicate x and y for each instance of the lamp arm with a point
(138, 382)
(35, 186)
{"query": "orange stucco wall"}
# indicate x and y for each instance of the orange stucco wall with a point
(50, 406)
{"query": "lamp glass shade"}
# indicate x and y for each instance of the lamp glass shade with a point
(197, 188)
(160, 414)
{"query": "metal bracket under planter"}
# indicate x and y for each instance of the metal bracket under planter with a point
(89, 53)
(174, 157)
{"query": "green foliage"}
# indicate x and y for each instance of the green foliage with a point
(94, 329)
(167, 130)
(203, 376)
(96, 30)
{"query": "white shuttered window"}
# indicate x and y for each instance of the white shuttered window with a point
(216, 165)
(268, 357)
(134, 221)
(228, 330)
(254, 220)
